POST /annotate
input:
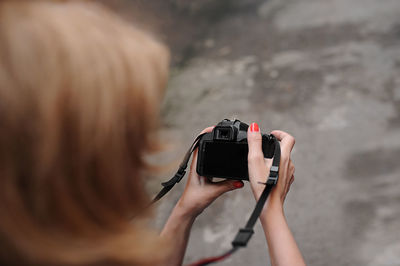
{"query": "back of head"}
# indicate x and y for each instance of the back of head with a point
(79, 90)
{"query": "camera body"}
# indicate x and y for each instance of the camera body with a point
(223, 152)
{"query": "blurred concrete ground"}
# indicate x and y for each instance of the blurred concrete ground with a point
(328, 72)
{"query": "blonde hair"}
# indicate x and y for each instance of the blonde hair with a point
(79, 91)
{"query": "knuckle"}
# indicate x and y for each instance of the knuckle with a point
(254, 137)
(285, 158)
(292, 139)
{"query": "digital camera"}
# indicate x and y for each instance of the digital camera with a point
(223, 152)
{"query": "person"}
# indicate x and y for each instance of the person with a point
(80, 91)
(200, 192)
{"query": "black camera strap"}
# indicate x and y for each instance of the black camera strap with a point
(244, 234)
(168, 185)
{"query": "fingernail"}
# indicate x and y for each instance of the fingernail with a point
(238, 184)
(254, 127)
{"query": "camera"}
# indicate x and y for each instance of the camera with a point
(223, 152)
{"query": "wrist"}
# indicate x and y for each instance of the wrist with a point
(185, 213)
(177, 221)
(273, 208)
(275, 203)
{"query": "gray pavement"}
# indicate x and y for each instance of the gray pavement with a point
(328, 72)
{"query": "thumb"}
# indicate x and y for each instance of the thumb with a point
(254, 140)
(256, 162)
(226, 185)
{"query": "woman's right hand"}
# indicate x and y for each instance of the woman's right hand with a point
(282, 246)
(259, 166)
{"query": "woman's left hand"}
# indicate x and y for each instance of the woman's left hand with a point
(200, 191)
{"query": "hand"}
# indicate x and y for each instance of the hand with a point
(200, 191)
(259, 166)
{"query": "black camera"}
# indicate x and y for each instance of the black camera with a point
(223, 152)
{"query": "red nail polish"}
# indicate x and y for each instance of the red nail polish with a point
(254, 127)
(238, 184)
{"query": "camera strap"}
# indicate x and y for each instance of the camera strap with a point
(168, 185)
(244, 234)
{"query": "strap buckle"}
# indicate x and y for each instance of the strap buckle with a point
(273, 175)
(180, 174)
(242, 237)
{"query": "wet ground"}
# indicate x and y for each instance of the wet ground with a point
(328, 72)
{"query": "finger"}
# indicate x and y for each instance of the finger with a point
(255, 157)
(291, 180)
(287, 174)
(194, 177)
(268, 162)
(221, 187)
(254, 139)
(287, 140)
(292, 169)
(206, 130)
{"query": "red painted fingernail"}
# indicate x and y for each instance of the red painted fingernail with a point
(254, 127)
(238, 184)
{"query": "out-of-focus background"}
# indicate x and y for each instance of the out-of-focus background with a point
(328, 72)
